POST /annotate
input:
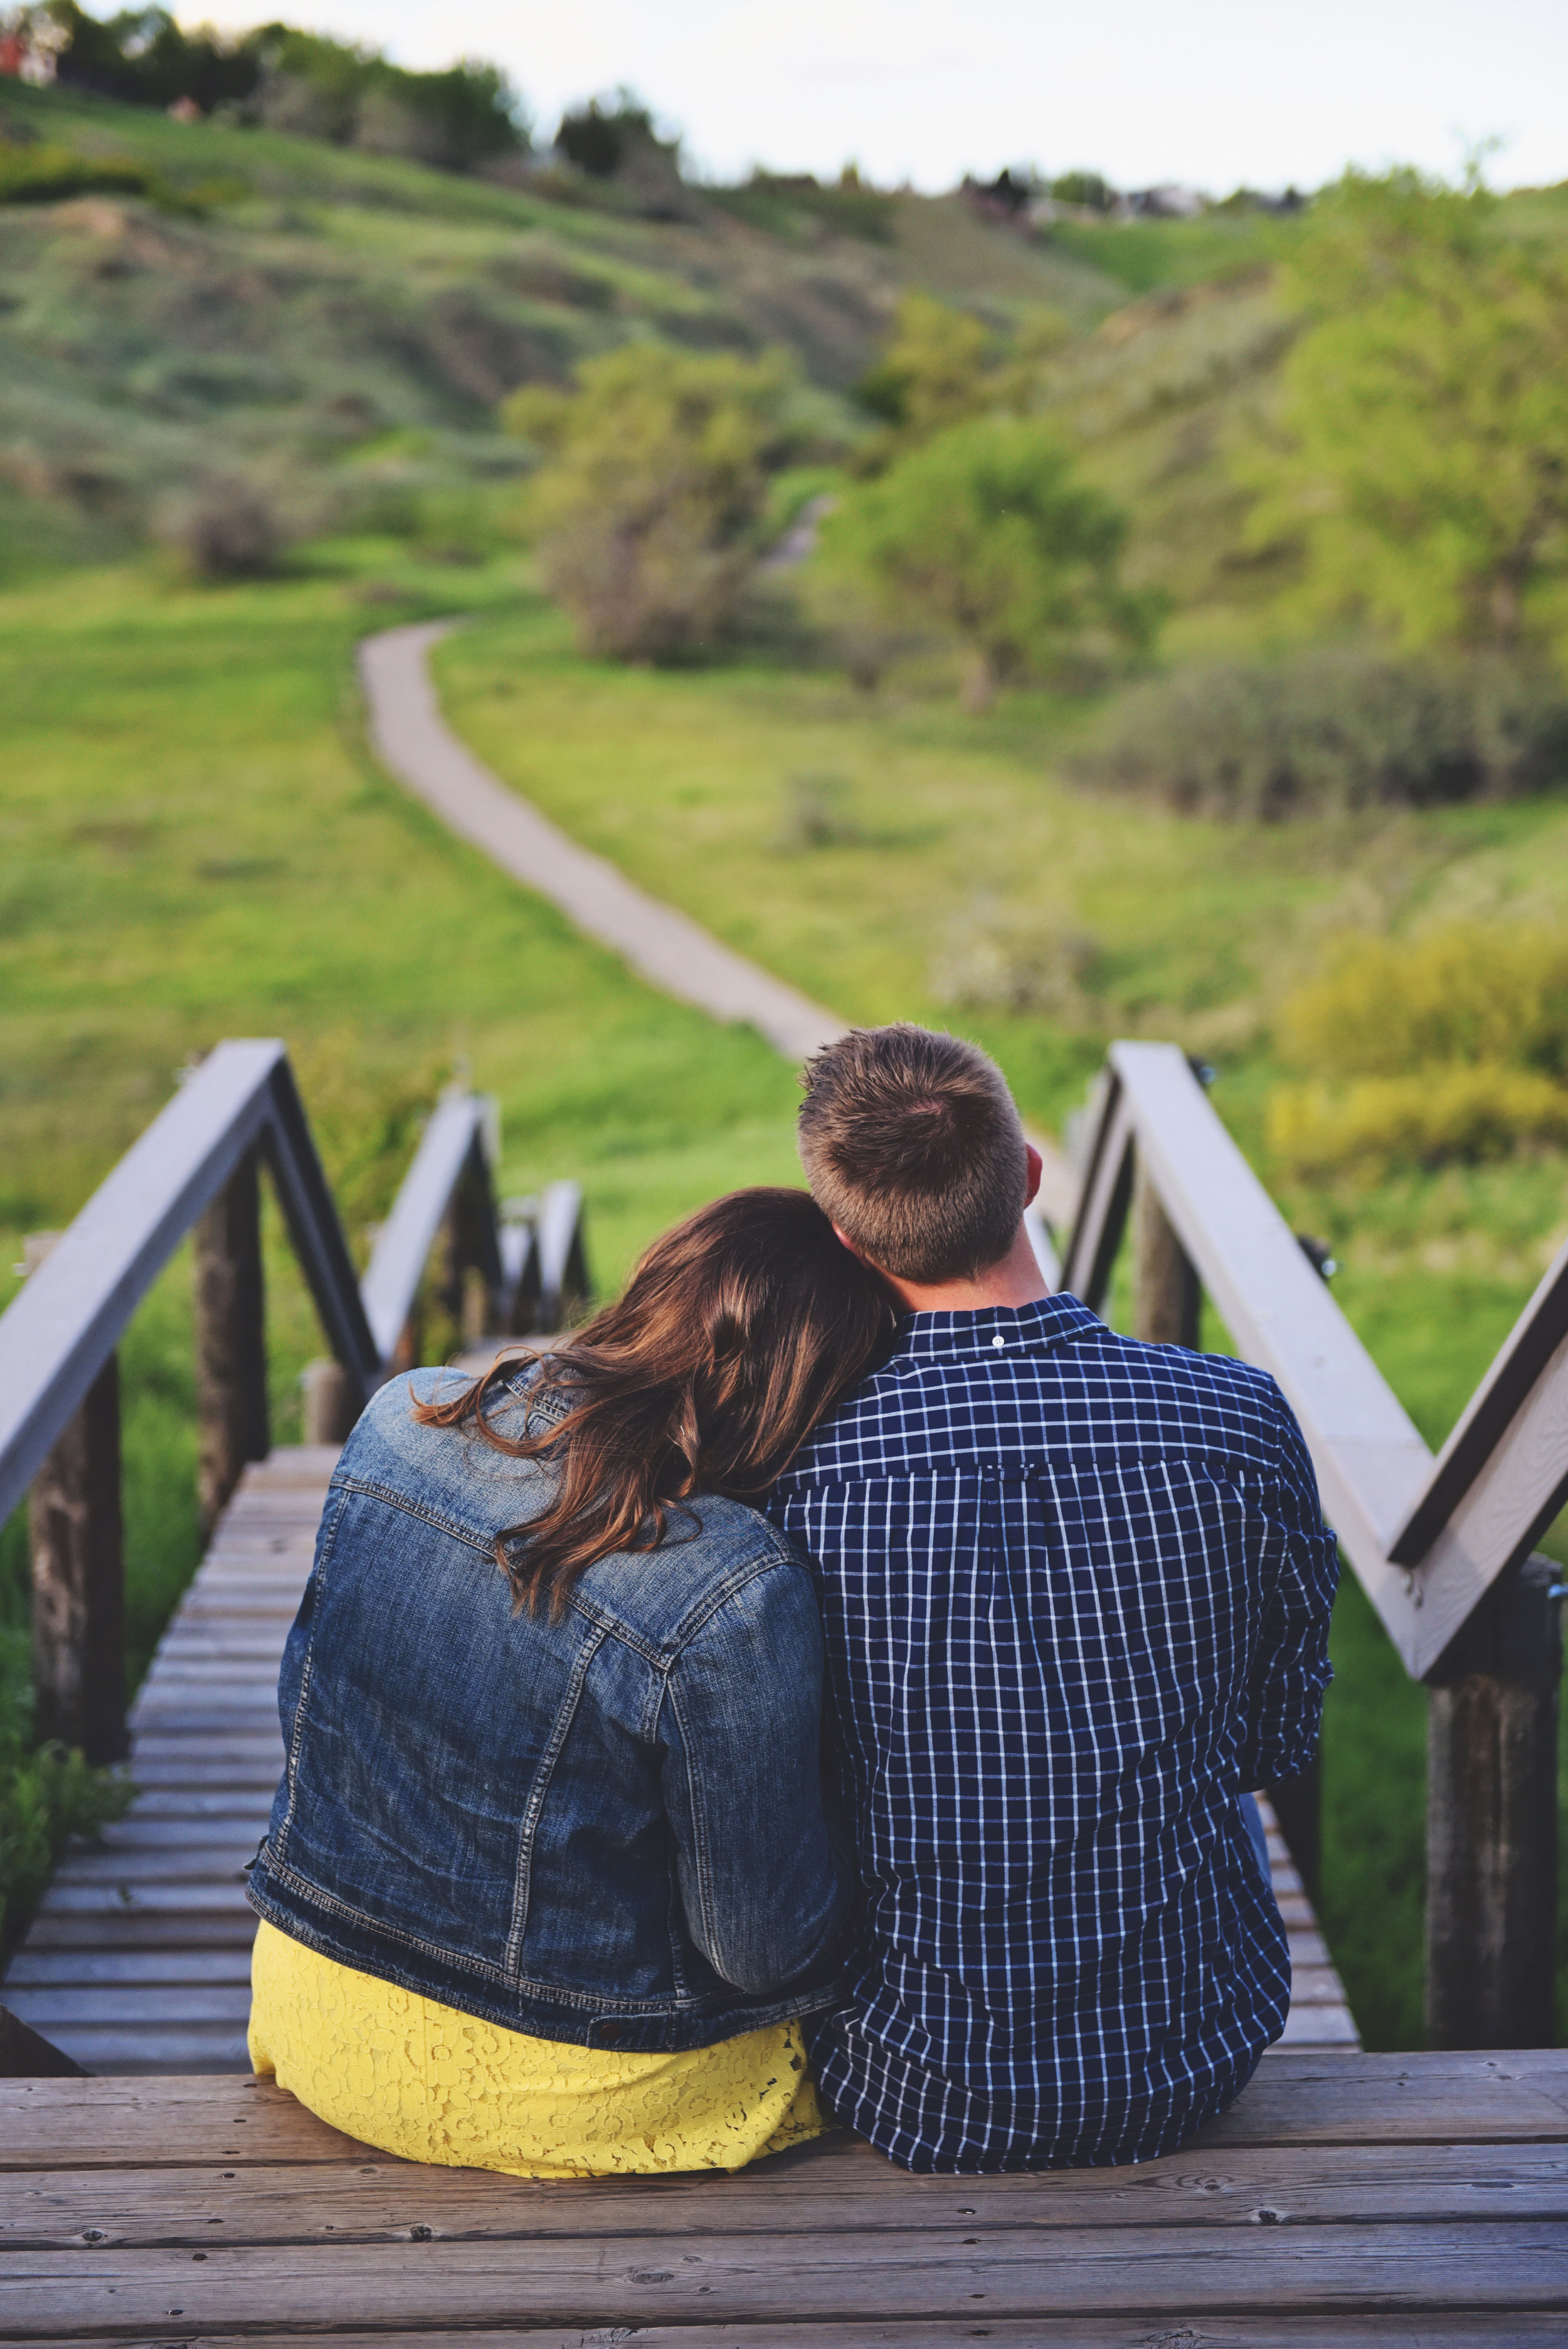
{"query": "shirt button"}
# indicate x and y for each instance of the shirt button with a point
(999, 1339)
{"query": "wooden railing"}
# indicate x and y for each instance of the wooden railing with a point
(1441, 1547)
(196, 1169)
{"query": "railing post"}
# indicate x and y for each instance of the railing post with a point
(231, 1340)
(330, 1405)
(1491, 1820)
(77, 1544)
(1165, 1293)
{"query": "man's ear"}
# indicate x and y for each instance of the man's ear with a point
(1037, 1167)
(846, 1242)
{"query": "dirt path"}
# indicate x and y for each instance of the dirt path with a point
(674, 953)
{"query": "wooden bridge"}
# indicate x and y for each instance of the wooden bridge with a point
(1413, 2198)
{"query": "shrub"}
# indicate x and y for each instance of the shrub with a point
(987, 531)
(45, 175)
(647, 510)
(47, 1795)
(228, 529)
(817, 814)
(1020, 963)
(1334, 730)
(1452, 1046)
(1468, 994)
(1468, 1112)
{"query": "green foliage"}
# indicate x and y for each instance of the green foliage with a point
(988, 532)
(1427, 470)
(46, 1796)
(646, 511)
(1471, 993)
(933, 372)
(598, 140)
(455, 118)
(1090, 189)
(1448, 1047)
(1338, 729)
(45, 175)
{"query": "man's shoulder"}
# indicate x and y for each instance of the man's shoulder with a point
(1097, 1392)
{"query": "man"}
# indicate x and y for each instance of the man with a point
(1076, 1596)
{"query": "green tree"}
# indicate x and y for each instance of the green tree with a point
(645, 512)
(987, 532)
(1426, 408)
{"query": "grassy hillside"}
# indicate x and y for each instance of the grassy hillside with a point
(347, 322)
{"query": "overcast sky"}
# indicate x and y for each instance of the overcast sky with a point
(1211, 92)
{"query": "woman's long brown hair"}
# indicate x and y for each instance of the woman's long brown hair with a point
(737, 1332)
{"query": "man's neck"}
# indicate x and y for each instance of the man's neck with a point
(1016, 1279)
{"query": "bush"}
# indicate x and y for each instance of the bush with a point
(1450, 1047)
(1334, 730)
(1019, 962)
(648, 512)
(1468, 994)
(46, 1795)
(228, 529)
(45, 175)
(1427, 1119)
(986, 531)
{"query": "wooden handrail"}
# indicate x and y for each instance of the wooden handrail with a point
(452, 1153)
(1440, 1546)
(58, 1334)
(1426, 1540)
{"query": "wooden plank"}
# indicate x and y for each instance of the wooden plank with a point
(1347, 2331)
(117, 2002)
(375, 2198)
(41, 1968)
(143, 1929)
(127, 2050)
(1520, 2098)
(712, 2279)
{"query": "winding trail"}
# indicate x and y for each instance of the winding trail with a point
(666, 948)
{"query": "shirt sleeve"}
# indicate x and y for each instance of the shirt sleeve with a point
(765, 1883)
(1300, 1572)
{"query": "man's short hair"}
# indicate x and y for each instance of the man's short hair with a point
(912, 1146)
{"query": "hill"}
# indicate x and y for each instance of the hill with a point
(346, 323)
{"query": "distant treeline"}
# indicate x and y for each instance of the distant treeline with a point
(288, 80)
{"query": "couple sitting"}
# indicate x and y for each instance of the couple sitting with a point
(825, 1690)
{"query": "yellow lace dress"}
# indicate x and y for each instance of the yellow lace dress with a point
(430, 2084)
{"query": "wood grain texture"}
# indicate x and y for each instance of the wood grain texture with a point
(1345, 2331)
(377, 2200)
(1324, 2100)
(713, 2279)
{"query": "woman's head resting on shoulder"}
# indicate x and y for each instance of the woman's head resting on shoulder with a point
(737, 1331)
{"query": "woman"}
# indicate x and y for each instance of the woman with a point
(548, 1883)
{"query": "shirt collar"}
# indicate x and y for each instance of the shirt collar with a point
(995, 1329)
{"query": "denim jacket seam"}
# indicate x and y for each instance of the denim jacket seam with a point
(708, 1938)
(559, 1731)
(662, 1653)
(296, 1727)
(372, 1489)
(545, 1992)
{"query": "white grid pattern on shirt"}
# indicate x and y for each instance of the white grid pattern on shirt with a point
(1076, 1593)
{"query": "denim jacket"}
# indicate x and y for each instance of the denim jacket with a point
(607, 1829)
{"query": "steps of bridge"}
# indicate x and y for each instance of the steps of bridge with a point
(138, 1958)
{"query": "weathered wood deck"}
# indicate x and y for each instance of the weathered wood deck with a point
(1341, 2202)
(139, 1960)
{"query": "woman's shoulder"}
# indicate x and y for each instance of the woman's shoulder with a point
(717, 1555)
(447, 1473)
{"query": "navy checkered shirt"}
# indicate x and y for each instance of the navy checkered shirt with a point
(1076, 1593)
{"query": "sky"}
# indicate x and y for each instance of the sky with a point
(1212, 93)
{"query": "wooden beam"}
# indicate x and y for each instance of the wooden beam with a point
(1491, 1820)
(231, 1340)
(77, 1541)
(1166, 1297)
